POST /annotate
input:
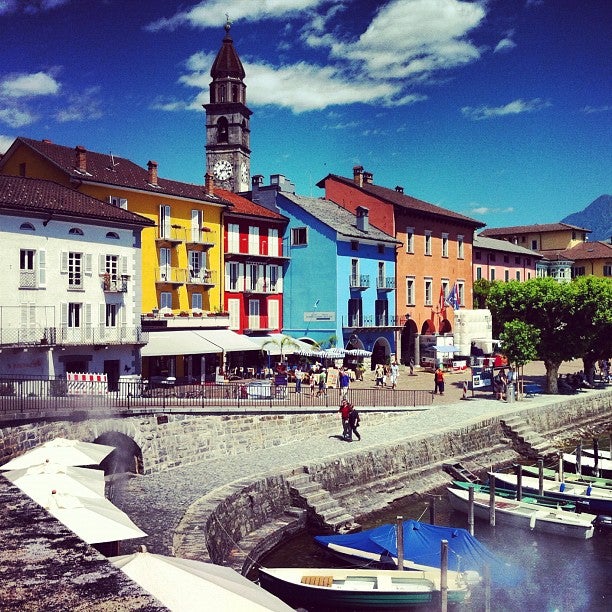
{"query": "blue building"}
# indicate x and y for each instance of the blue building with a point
(340, 279)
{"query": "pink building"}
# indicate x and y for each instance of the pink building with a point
(501, 260)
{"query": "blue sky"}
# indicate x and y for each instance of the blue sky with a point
(498, 109)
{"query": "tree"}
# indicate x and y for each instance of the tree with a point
(282, 343)
(519, 343)
(569, 316)
(480, 292)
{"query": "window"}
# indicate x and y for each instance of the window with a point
(461, 292)
(254, 314)
(165, 300)
(354, 312)
(380, 248)
(222, 124)
(118, 202)
(197, 223)
(273, 278)
(233, 272)
(112, 235)
(196, 301)
(492, 257)
(428, 292)
(233, 307)
(534, 245)
(444, 245)
(355, 280)
(517, 260)
(75, 231)
(380, 282)
(110, 315)
(233, 238)
(74, 314)
(459, 247)
(478, 273)
(197, 265)
(518, 275)
(578, 271)
(165, 267)
(273, 242)
(273, 310)
(477, 255)
(506, 258)
(75, 270)
(607, 270)
(427, 242)
(27, 226)
(410, 296)
(507, 275)
(164, 221)
(381, 312)
(410, 240)
(254, 240)
(492, 274)
(354, 245)
(299, 236)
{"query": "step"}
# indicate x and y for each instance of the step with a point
(323, 506)
(307, 489)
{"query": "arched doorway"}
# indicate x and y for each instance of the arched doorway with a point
(428, 329)
(125, 459)
(407, 341)
(381, 353)
(445, 327)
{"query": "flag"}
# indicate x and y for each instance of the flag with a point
(452, 299)
(442, 303)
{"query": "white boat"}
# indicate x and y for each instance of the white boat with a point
(603, 454)
(524, 515)
(587, 465)
(374, 589)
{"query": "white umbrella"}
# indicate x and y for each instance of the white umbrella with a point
(93, 520)
(39, 481)
(61, 450)
(358, 353)
(185, 585)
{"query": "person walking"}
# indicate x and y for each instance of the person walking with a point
(394, 374)
(379, 372)
(322, 383)
(299, 375)
(345, 410)
(353, 419)
(344, 381)
(439, 381)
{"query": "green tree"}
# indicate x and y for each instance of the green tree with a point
(283, 343)
(480, 291)
(519, 343)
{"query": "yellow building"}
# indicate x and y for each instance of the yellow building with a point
(541, 237)
(593, 258)
(182, 256)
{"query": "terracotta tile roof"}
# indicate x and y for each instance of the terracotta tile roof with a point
(530, 229)
(30, 195)
(493, 244)
(244, 206)
(115, 171)
(589, 250)
(402, 200)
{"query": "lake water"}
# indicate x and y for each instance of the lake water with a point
(561, 574)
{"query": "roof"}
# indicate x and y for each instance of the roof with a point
(116, 171)
(42, 196)
(244, 206)
(410, 204)
(531, 229)
(589, 250)
(227, 63)
(338, 218)
(493, 244)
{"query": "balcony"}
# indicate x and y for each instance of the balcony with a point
(203, 238)
(359, 282)
(22, 337)
(170, 275)
(173, 235)
(267, 255)
(385, 283)
(28, 279)
(114, 284)
(184, 319)
(372, 321)
(203, 278)
(263, 288)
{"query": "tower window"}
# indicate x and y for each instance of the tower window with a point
(222, 130)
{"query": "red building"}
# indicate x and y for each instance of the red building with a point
(254, 266)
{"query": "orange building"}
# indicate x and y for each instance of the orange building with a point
(436, 251)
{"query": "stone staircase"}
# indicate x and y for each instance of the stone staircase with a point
(324, 513)
(525, 440)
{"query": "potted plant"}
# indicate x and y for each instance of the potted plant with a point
(183, 314)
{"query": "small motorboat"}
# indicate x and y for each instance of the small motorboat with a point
(525, 515)
(375, 589)
(549, 474)
(583, 464)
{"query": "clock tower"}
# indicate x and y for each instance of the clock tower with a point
(227, 121)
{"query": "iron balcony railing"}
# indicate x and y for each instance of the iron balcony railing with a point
(359, 281)
(385, 283)
(114, 283)
(374, 321)
(85, 335)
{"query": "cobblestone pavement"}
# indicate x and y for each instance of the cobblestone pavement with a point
(157, 502)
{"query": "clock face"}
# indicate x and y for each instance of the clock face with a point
(244, 173)
(222, 170)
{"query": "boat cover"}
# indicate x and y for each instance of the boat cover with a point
(422, 546)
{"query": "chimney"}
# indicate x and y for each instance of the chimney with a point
(362, 220)
(81, 159)
(368, 178)
(358, 175)
(152, 178)
(209, 184)
(46, 141)
(399, 189)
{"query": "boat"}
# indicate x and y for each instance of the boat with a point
(586, 465)
(596, 500)
(378, 546)
(601, 454)
(549, 474)
(375, 589)
(524, 515)
(543, 501)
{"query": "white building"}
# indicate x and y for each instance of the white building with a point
(71, 270)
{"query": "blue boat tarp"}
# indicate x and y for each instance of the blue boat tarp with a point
(422, 546)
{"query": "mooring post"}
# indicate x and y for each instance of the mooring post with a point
(443, 575)
(432, 511)
(492, 503)
(519, 482)
(540, 476)
(471, 510)
(400, 542)
(561, 474)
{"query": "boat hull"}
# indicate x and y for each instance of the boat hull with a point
(524, 516)
(534, 471)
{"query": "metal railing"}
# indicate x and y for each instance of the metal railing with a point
(359, 281)
(86, 334)
(385, 283)
(56, 397)
(374, 321)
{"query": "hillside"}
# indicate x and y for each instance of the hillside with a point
(597, 216)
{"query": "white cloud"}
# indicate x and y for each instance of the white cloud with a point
(589, 110)
(517, 107)
(28, 85)
(16, 118)
(504, 45)
(30, 7)
(5, 141)
(82, 106)
(488, 210)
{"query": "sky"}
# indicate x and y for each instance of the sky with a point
(497, 109)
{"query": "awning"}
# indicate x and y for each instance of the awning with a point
(227, 341)
(180, 342)
(274, 347)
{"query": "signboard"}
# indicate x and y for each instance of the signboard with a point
(482, 378)
(313, 315)
(332, 378)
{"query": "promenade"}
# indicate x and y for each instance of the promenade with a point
(157, 502)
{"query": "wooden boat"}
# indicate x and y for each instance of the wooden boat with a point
(360, 588)
(540, 500)
(602, 454)
(587, 465)
(524, 515)
(596, 500)
(602, 483)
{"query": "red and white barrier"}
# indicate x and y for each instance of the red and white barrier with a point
(80, 383)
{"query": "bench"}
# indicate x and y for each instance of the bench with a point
(532, 389)
(320, 581)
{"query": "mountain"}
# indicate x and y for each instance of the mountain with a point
(597, 216)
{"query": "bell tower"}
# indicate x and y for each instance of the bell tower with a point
(228, 153)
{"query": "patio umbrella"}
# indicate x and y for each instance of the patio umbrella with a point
(63, 451)
(358, 353)
(94, 520)
(183, 584)
(38, 481)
